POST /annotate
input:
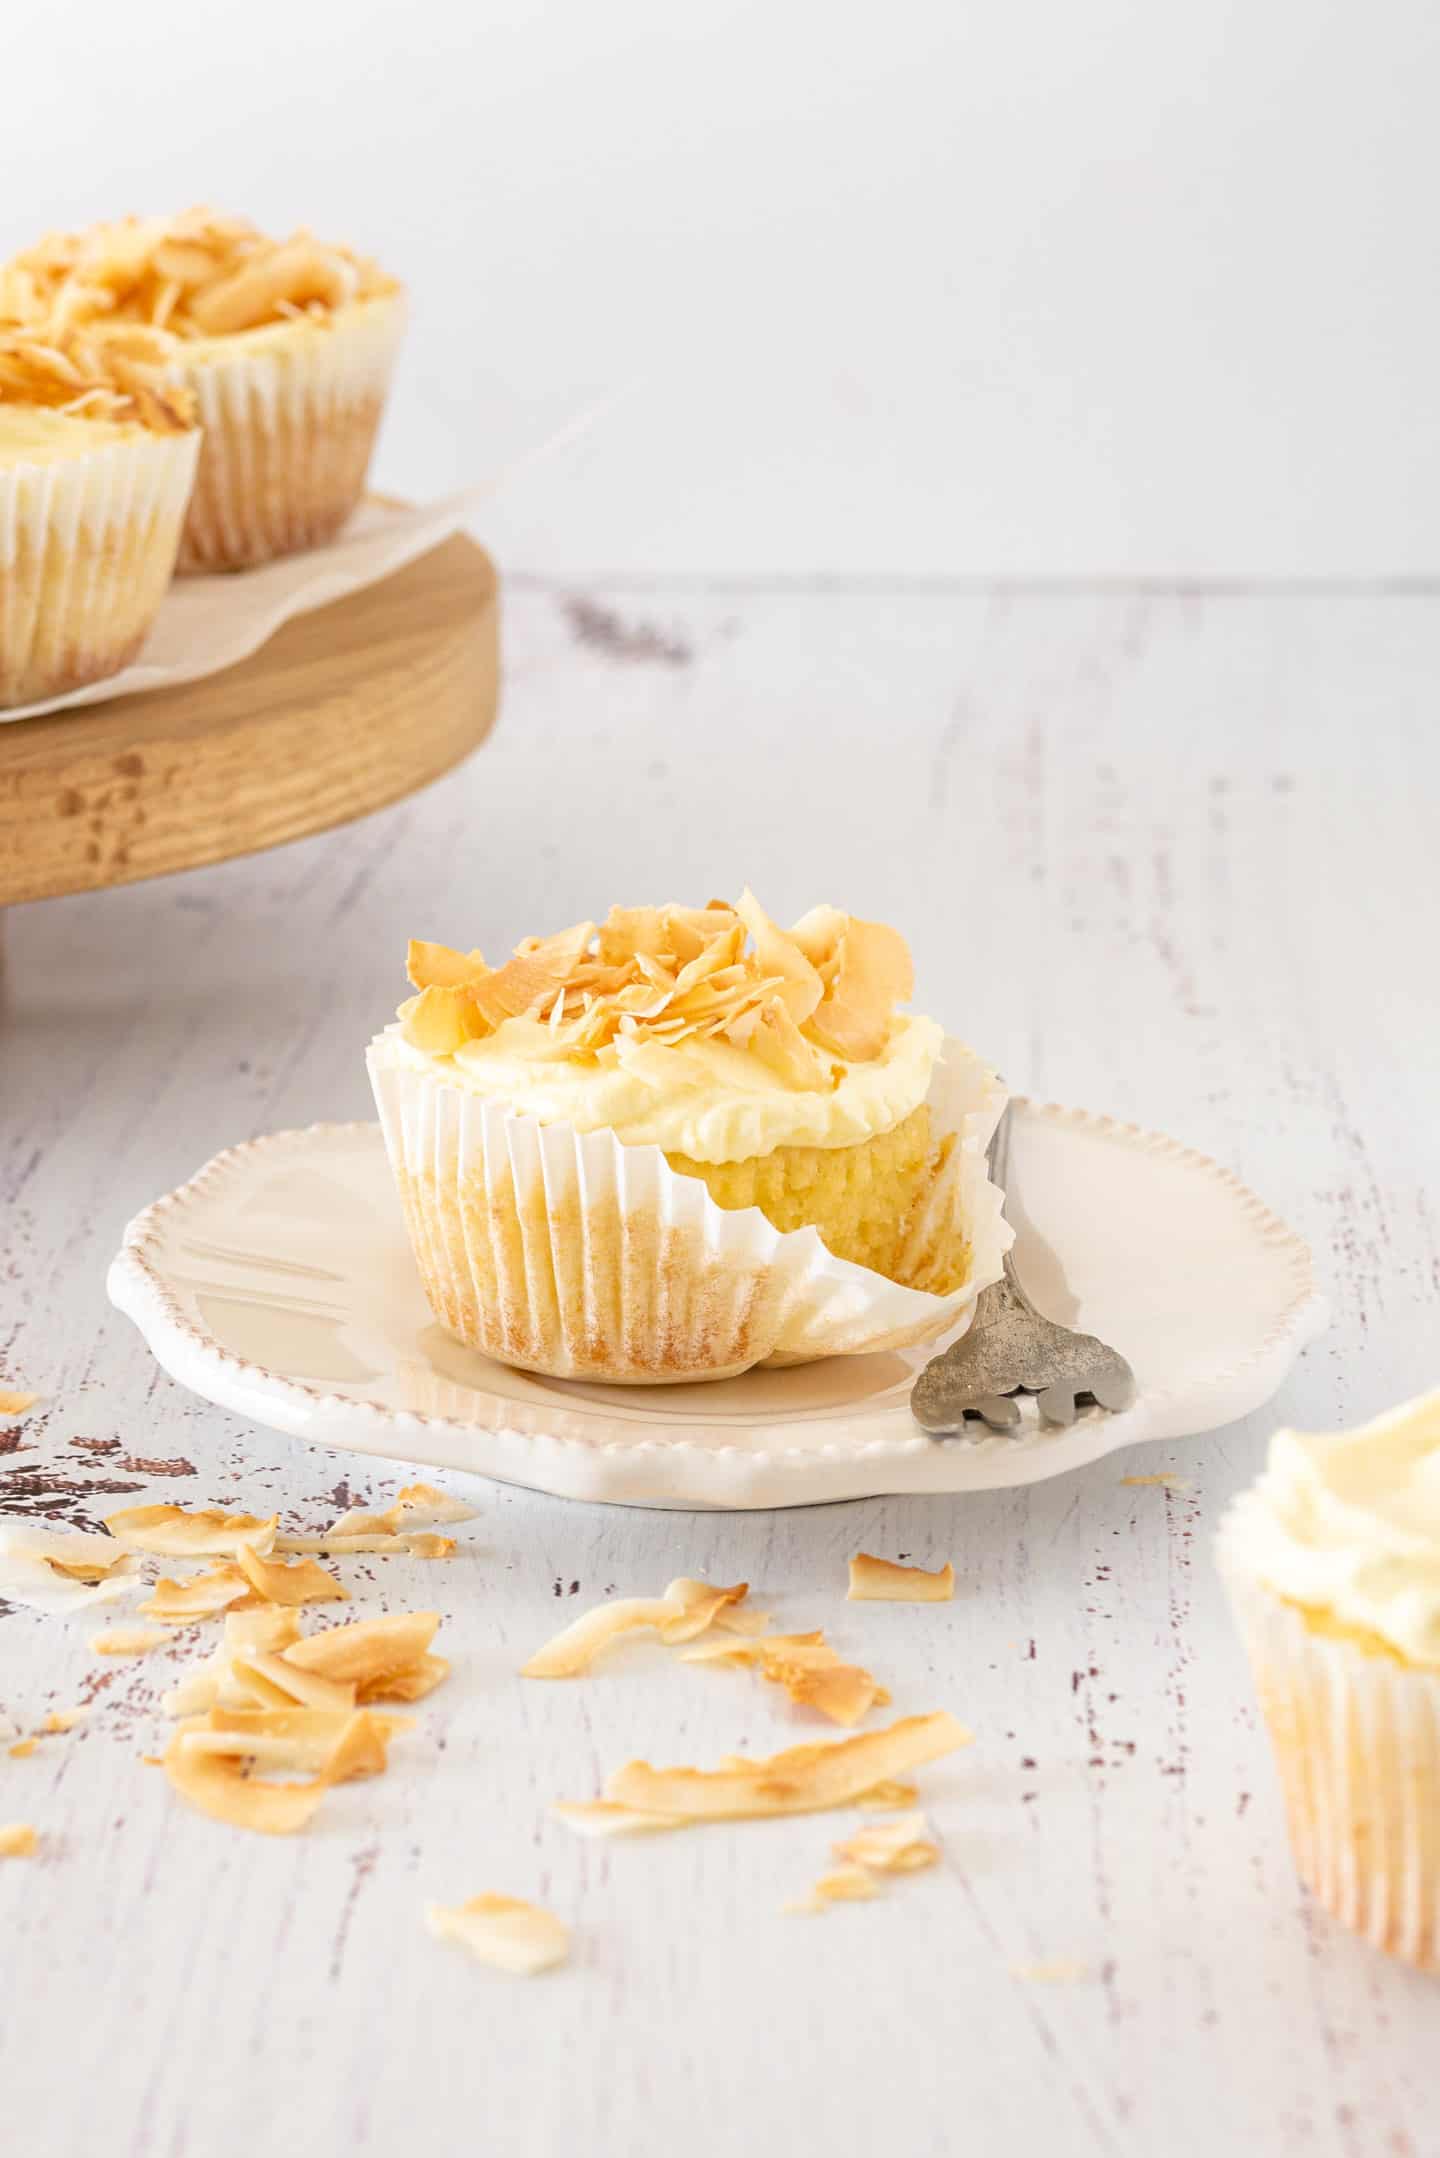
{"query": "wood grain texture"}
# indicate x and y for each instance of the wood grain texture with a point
(343, 711)
(1155, 859)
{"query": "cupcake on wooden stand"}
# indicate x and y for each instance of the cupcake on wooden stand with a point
(286, 347)
(97, 461)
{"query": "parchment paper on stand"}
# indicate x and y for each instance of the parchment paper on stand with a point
(207, 624)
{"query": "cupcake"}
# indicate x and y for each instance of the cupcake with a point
(287, 347)
(685, 1142)
(96, 467)
(1333, 1563)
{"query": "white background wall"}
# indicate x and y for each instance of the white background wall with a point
(1075, 287)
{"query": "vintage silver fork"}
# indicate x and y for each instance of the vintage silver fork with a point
(1011, 1348)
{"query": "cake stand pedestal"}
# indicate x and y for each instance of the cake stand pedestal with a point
(342, 711)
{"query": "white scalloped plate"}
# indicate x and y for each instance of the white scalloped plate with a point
(279, 1283)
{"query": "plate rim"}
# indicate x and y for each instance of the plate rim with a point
(138, 1288)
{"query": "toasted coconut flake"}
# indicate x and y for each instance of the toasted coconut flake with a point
(1172, 1483)
(368, 1651)
(425, 1506)
(61, 1573)
(128, 1640)
(903, 1845)
(843, 1884)
(202, 1596)
(1054, 1971)
(338, 1744)
(806, 1666)
(22, 1749)
(653, 976)
(889, 1796)
(12, 1404)
(411, 1684)
(436, 966)
(269, 1679)
(685, 1610)
(597, 1817)
(424, 1544)
(500, 1930)
(263, 1631)
(172, 1532)
(442, 1020)
(872, 973)
(64, 1719)
(18, 1840)
(846, 1884)
(875, 1580)
(776, 954)
(217, 1784)
(302, 1583)
(804, 1779)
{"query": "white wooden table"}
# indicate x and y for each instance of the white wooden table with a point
(1167, 855)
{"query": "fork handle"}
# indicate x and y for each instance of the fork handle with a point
(997, 1162)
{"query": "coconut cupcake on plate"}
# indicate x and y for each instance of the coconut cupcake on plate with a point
(96, 465)
(287, 347)
(684, 1142)
(1332, 1561)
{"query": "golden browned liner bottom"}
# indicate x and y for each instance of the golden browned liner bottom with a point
(1356, 1738)
(694, 1325)
(72, 648)
(267, 488)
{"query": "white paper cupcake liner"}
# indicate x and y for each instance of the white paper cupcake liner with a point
(289, 425)
(1356, 1736)
(87, 550)
(568, 1253)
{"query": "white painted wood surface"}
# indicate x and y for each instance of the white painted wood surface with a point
(1166, 856)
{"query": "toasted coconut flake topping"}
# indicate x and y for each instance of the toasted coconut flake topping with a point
(804, 1779)
(18, 1840)
(95, 321)
(875, 1580)
(12, 1404)
(502, 1931)
(128, 1640)
(173, 1533)
(63, 1719)
(652, 978)
(22, 1749)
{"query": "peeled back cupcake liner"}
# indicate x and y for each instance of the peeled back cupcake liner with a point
(289, 426)
(1356, 1736)
(566, 1253)
(87, 550)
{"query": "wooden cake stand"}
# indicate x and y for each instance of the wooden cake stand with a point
(342, 711)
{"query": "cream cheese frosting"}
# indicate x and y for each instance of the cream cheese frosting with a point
(705, 1099)
(1349, 1523)
(31, 435)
